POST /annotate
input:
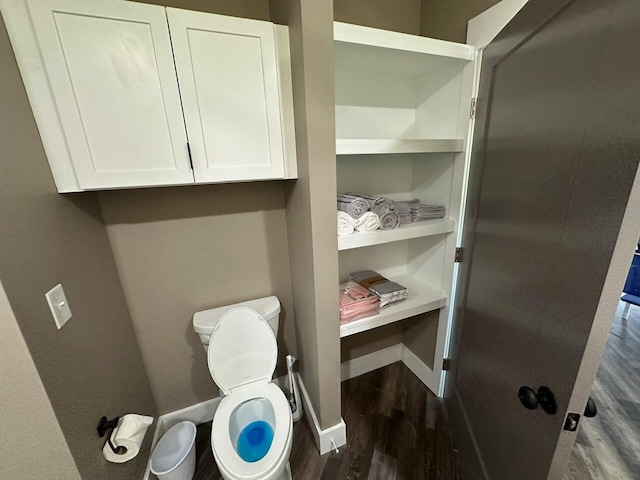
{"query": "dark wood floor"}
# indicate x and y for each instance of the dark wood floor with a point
(396, 430)
(608, 445)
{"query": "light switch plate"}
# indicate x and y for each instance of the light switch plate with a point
(58, 305)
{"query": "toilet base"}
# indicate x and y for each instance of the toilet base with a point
(286, 475)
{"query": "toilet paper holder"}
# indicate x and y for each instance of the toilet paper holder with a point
(105, 425)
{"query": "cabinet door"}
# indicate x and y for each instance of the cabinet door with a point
(229, 85)
(111, 73)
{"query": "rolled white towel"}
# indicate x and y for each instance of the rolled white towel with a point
(346, 224)
(368, 222)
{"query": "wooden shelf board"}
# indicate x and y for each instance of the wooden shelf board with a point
(421, 299)
(424, 228)
(361, 146)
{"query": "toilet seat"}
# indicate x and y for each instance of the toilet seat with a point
(224, 452)
(242, 357)
(242, 351)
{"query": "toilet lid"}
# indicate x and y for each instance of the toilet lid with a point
(242, 350)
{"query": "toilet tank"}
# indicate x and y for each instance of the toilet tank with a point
(205, 321)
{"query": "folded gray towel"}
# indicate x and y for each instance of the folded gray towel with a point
(387, 291)
(403, 209)
(373, 281)
(405, 206)
(420, 211)
(353, 205)
(414, 211)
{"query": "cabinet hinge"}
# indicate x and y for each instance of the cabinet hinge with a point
(459, 252)
(189, 153)
(446, 364)
(474, 107)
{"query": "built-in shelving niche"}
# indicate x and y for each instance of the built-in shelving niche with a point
(412, 255)
(402, 123)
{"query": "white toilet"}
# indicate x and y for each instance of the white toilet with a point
(252, 426)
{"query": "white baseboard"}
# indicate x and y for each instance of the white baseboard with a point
(359, 366)
(427, 376)
(372, 361)
(387, 356)
(329, 438)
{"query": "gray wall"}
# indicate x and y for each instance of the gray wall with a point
(92, 366)
(22, 396)
(420, 334)
(185, 249)
(443, 19)
(398, 15)
(310, 202)
(356, 346)
(447, 20)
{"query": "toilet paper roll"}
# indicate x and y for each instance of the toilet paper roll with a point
(129, 433)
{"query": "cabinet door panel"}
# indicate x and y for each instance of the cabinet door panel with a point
(111, 72)
(229, 84)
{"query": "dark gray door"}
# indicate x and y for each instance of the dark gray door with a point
(556, 148)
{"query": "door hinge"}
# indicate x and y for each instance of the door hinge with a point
(459, 252)
(572, 421)
(446, 364)
(189, 153)
(474, 108)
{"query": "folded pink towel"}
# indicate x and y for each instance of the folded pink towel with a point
(356, 302)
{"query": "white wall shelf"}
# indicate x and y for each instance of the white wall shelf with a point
(364, 146)
(421, 299)
(383, 51)
(424, 228)
(393, 85)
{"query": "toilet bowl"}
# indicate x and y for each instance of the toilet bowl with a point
(229, 422)
(252, 427)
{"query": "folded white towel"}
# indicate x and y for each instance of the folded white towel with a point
(368, 222)
(346, 224)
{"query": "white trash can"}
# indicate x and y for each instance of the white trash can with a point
(174, 457)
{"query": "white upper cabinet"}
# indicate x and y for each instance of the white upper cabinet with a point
(123, 99)
(227, 70)
(113, 80)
